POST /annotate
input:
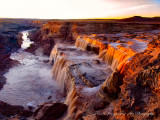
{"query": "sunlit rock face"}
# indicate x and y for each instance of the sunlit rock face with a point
(114, 49)
(69, 31)
(90, 43)
(141, 82)
(145, 66)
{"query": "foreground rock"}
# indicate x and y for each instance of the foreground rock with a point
(7, 111)
(50, 111)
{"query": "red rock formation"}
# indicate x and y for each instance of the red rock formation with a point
(136, 96)
(139, 96)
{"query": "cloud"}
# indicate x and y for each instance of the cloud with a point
(135, 10)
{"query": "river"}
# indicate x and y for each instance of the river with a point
(30, 82)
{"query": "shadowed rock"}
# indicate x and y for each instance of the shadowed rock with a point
(50, 111)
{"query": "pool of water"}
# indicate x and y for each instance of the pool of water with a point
(30, 81)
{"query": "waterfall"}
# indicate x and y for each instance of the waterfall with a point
(60, 70)
(54, 55)
(118, 59)
(115, 57)
(89, 44)
(81, 44)
(71, 101)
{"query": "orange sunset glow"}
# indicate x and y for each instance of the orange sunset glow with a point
(78, 9)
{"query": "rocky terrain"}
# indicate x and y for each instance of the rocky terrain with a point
(131, 91)
(105, 70)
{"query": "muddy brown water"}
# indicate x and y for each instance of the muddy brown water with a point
(30, 82)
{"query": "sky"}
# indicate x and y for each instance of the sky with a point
(78, 9)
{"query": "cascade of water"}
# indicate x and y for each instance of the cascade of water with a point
(81, 44)
(54, 55)
(117, 59)
(60, 69)
(89, 44)
(60, 72)
(114, 57)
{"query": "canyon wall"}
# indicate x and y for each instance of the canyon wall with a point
(130, 92)
(69, 31)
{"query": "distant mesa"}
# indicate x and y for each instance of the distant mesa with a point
(141, 19)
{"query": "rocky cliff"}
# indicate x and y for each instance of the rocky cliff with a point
(126, 84)
(131, 91)
(68, 31)
(139, 97)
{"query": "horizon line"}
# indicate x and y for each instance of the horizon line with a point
(111, 18)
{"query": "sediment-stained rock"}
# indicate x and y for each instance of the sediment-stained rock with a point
(69, 70)
(139, 97)
(139, 94)
(90, 43)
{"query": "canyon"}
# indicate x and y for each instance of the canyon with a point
(89, 70)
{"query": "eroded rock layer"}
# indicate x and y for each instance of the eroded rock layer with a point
(122, 83)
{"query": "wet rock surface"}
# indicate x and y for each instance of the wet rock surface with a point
(77, 65)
